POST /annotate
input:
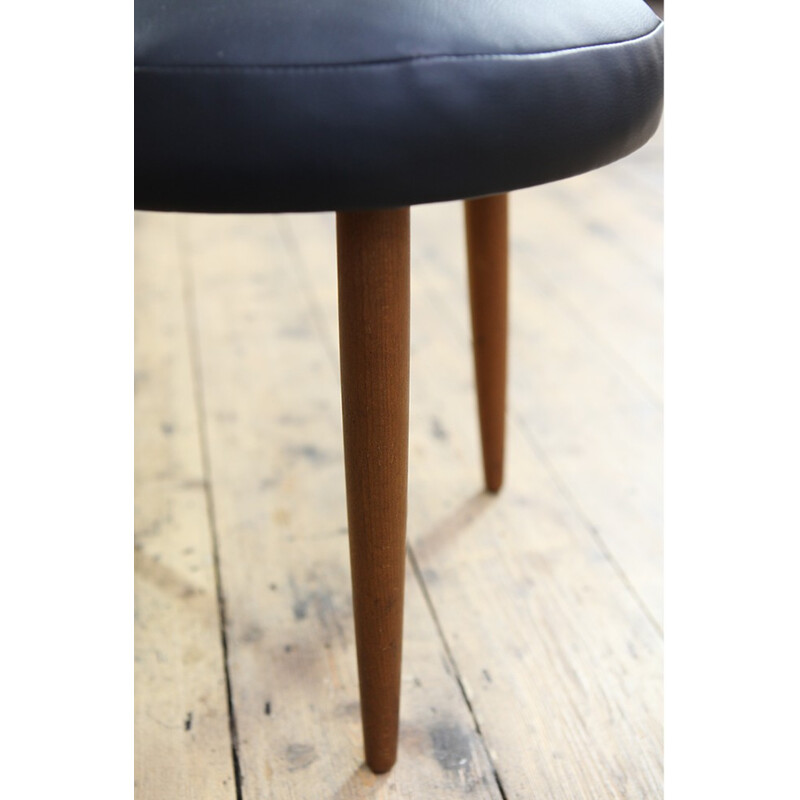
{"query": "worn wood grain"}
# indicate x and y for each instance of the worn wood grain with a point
(594, 244)
(562, 667)
(181, 733)
(596, 271)
(270, 382)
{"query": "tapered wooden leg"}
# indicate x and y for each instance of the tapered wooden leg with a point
(487, 255)
(374, 304)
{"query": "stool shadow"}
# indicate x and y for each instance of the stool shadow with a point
(445, 534)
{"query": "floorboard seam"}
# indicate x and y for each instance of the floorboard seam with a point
(573, 503)
(306, 287)
(190, 309)
(596, 337)
(454, 666)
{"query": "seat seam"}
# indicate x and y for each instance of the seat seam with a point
(378, 64)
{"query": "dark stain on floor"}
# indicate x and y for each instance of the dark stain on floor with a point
(451, 746)
(300, 756)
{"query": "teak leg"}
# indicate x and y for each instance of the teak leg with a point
(374, 307)
(487, 256)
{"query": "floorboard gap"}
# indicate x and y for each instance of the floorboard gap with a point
(595, 533)
(194, 348)
(451, 659)
(613, 356)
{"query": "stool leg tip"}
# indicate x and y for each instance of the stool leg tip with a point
(494, 479)
(381, 764)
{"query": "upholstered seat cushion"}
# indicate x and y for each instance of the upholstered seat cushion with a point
(294, 105)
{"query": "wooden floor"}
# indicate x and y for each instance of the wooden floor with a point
(533, 628)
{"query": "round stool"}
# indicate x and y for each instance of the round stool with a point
(365, 108)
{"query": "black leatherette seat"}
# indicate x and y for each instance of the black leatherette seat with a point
(292, 105)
